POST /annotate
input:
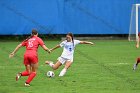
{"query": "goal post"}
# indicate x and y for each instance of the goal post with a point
(134, 23)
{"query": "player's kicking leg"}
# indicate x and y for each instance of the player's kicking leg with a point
(54, 66)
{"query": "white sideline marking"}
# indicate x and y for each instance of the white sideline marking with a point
(122, 63)
(118, 64)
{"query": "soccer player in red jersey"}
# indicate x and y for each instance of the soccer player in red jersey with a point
(30, 57)
(137, 46)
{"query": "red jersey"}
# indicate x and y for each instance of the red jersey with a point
(32, 45)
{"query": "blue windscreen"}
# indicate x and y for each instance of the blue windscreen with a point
(18, 17)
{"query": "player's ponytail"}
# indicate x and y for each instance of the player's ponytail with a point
(70, 34)
(34, 32)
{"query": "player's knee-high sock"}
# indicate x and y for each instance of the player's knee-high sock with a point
(63, 72)
(31, 77)
(138, 61)
(25, 73)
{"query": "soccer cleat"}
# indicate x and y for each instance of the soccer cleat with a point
(134, 67)
(60, 75)
(18, 76)
(27, 85)
(47, 62)
(50, 63)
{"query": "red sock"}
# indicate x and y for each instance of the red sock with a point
(25, 73)
(138, 60)
(31, 77)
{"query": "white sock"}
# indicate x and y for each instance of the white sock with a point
(51, 64)
(63, 71)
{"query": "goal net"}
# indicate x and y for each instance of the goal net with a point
(134, 23)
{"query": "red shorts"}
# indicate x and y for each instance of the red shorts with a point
(30, 59)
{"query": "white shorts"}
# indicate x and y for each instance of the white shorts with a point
(63, 60)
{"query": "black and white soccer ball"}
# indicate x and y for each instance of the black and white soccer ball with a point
(50, 74)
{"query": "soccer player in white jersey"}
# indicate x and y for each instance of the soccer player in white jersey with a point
(67, 54)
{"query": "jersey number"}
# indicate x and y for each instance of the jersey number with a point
(30, 44)
(70, 49)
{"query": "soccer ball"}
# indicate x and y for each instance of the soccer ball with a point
(50, 74)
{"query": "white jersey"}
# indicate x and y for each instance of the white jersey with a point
(68, 49)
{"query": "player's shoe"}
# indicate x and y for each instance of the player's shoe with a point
(134, 67)
(27, 85)
(18, 76)
(48, 62)
(60, 75)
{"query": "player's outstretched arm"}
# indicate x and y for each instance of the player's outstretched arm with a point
(86, 42)
(46, 49)
(57, 46)
(16, 49)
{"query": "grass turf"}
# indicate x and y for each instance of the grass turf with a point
(103, 68)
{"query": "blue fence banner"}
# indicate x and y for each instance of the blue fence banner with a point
(62, 16)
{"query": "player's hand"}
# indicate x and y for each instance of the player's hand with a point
(11, 55)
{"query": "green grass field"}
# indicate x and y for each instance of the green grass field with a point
(103, 68)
